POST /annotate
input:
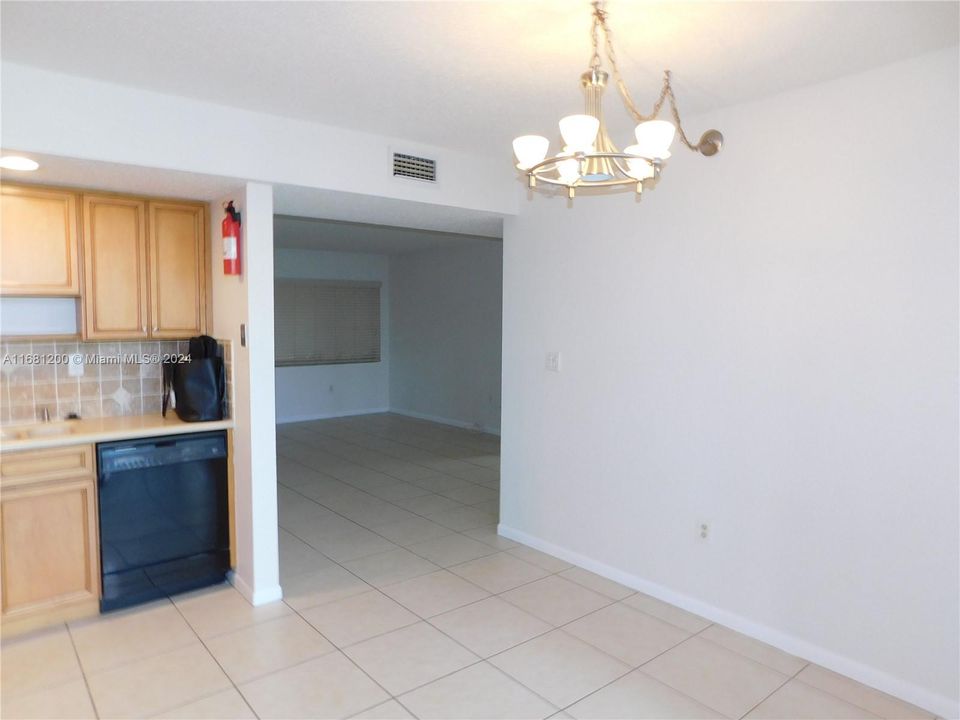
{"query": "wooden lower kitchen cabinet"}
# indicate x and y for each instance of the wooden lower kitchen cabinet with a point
(49, 549)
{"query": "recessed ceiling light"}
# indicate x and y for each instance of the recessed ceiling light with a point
(18, 162)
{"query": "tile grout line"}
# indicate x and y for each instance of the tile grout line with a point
(481, 659)
(363, 527)
(398, 438)
(496, 551)
(411, 462)
(376, 588)
(340, 650)
(806, 684)
(399, 545)
(83, 672)
(438, 473)
(447, 431)
(425, 438)
(214, 657)
(312, 469)
(681, 692)
(640, 668)
(398, 602)
(379, 499)
(440, 569)
(774, 691)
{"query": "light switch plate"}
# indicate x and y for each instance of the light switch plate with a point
(553, 361)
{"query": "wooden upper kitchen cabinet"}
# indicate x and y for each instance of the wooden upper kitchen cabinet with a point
(145, 268)
(49, 551)
(178, 269)
(140, 265)
(39, 241)
(115, 283)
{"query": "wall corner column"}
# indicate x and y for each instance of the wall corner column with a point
(247, 300)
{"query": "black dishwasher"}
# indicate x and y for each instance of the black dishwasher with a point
(164, 527)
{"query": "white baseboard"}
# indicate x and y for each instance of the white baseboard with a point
(874, 677)
(327, 416)
(260, 596)
(445, 421)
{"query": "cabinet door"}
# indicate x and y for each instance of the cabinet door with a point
(38, 241)
(115, 290)
(177, 240)
(48, 547)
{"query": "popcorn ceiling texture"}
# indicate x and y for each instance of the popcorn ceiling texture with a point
(103, 390)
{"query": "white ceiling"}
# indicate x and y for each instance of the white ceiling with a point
(467, 75)
(312, 234)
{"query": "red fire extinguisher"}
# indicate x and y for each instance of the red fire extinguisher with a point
(230, 231)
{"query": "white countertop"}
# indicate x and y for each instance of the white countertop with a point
(96, 430)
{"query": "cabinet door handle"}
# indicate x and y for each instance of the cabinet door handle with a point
(143, 328)
(155, 328)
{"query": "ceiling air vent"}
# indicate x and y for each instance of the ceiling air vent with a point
(414, 167)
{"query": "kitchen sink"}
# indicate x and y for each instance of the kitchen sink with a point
(35, 430)
(49, 429)
(9, 434)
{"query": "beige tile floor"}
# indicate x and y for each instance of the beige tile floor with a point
(402, 601)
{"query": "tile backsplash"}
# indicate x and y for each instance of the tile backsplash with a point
(36, 374)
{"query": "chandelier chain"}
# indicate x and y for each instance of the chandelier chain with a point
(666, 92)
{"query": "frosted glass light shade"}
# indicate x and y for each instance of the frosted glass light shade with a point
(530, 149)
(569, 170)
(637, 169)
(579, 131)
(654, 138)
(18, 162)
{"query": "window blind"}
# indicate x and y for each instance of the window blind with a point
(325, 322)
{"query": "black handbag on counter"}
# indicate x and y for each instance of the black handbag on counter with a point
(198, 385)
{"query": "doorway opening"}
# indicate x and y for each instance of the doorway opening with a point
(388, 343)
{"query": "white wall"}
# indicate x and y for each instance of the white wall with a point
(769, 343)
(445, 334)
(122, 124)
(319, 391)
(247, 299)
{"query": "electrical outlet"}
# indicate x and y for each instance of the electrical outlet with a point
(704, 530)
(553, 361)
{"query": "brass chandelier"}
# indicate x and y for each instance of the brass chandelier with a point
(589, 159)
